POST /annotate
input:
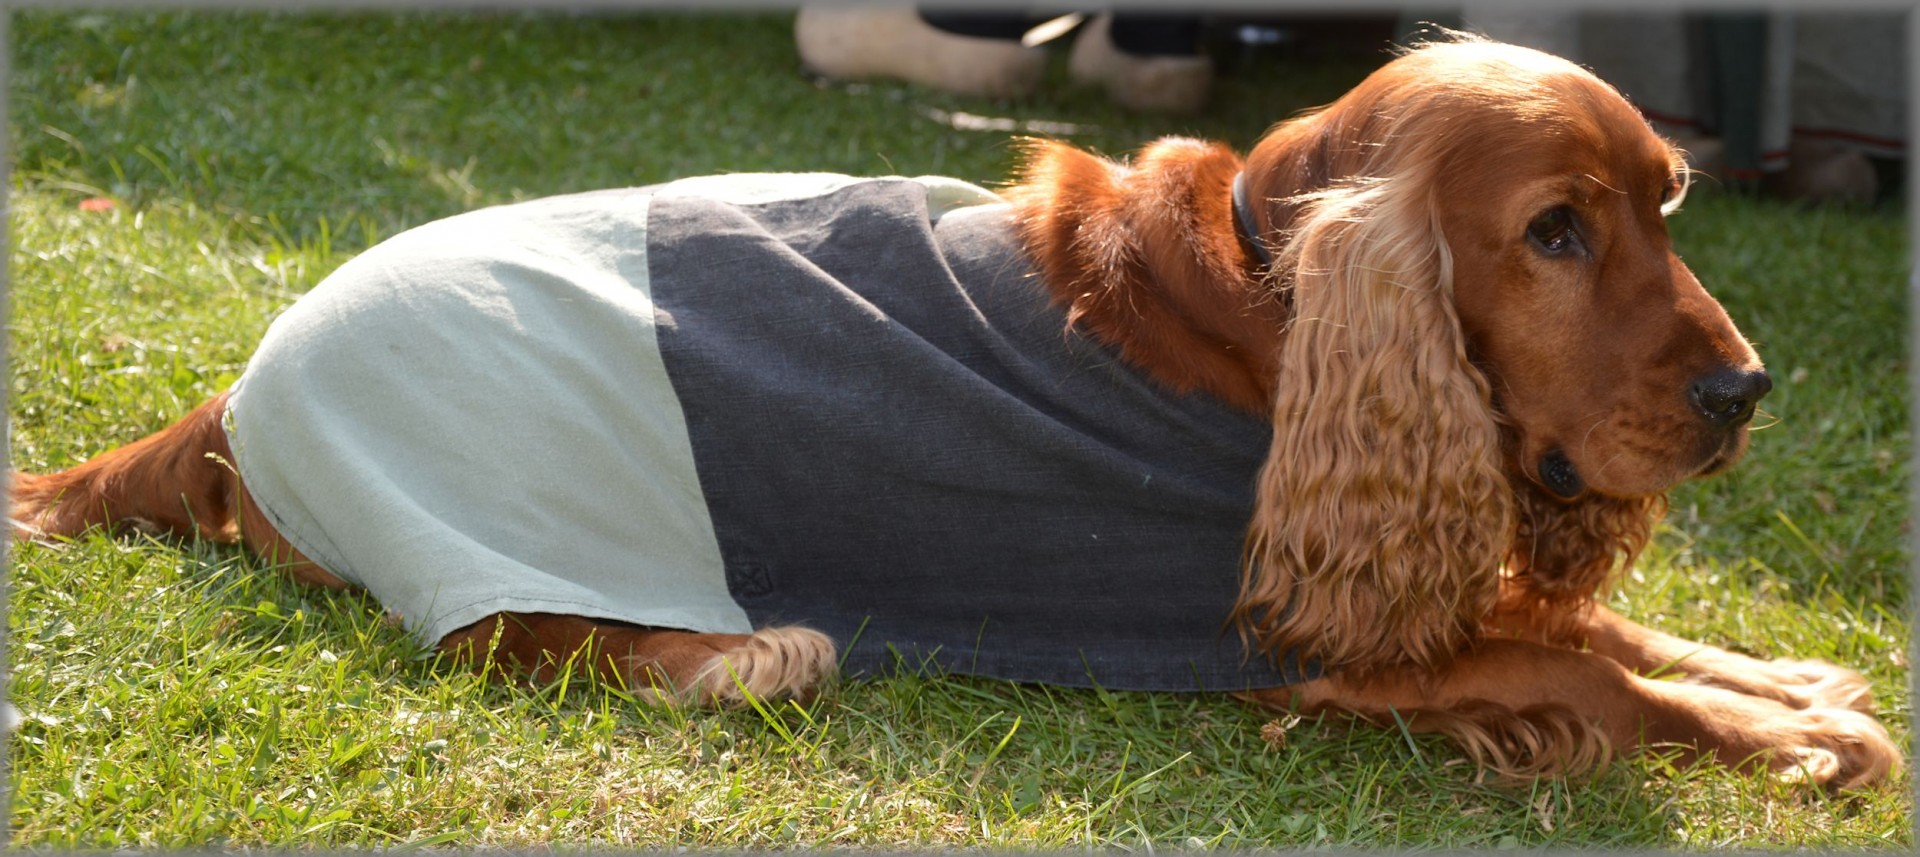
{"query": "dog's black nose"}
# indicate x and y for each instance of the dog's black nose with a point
(1726, 398)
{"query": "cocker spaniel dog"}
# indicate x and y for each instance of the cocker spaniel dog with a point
(1361, 423)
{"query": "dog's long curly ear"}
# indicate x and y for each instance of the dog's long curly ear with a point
(1383, 512)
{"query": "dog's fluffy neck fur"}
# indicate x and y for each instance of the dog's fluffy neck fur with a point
(1193, 311)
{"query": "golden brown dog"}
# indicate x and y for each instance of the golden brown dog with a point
(1483, 363)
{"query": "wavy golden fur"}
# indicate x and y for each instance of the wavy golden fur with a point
(1383, 506)
(1484, 367)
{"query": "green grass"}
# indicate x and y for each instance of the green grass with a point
(180, 695)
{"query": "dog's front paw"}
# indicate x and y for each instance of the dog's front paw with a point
(1836, 748)
(1818, 684)
(1794, 683)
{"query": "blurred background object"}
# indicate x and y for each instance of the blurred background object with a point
(1806, 106)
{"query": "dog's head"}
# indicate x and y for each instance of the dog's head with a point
(1494, 355)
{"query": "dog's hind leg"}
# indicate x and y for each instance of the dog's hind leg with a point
(178, 482)
(170, 482)
(661, 664)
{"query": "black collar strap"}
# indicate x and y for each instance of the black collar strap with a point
(1243, 218)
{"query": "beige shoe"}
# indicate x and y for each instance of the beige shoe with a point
(853, 42)
(1159, 83)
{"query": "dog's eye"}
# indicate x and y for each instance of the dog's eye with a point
(1671, 193)
(1552, 232)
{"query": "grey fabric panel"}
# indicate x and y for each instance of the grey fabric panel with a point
(900, 445)
(472, 417)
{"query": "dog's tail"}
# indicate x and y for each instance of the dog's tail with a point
(178, 481)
